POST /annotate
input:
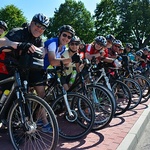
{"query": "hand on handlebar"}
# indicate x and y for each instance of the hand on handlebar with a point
(75, 58)
(24, 46)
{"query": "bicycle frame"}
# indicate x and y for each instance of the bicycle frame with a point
(15, 89)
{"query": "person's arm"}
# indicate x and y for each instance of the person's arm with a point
(56, 61)
(6, 42)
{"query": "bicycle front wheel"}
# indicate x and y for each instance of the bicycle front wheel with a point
(80, 122)
(33, 125)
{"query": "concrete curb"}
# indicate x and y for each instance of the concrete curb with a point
(132, 138)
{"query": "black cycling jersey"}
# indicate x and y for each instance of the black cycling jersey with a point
(21, 35)
(24, 35)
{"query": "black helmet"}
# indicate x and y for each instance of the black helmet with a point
(110, 37)
(75, 39)
(67, 28)
(3, 25)
(101, 39)
(42, 19)
(129, 45)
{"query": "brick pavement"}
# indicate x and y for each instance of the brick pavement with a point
(110, 137)
(105, 139)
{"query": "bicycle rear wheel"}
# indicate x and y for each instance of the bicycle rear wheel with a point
(135, 90)
(103, 103)
(145, 85)
(80, 123)
(27, 128)
(122, 95)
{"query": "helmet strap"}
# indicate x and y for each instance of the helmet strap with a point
(72, 51)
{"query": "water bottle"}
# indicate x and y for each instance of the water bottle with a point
(73, 76)
(4, 97)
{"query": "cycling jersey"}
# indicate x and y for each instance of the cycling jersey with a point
(21, 35)
(52, 45)
(91, 50)
(24, 35)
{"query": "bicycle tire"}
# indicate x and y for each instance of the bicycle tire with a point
(145, 85)
(122, 95)
(135, 90)
(30, 135)
(78, 125)
(103, 103)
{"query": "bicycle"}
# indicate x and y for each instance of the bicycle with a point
(72, 110)
(120, 91)
(22, 111)
(101, 98)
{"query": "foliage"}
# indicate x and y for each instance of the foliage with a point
(126, 19)
(75, 14)
(105, 17)
(12, 16)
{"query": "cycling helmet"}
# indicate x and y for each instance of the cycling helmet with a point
(118, 42)
(122, 47)
(129, 45)
(101, 39)
(42, 19)
(3, 25)
(110, 37)
(75, 39)
(146, 49)
(67, 28)
(139, 53)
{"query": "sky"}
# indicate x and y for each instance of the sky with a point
(47, 7)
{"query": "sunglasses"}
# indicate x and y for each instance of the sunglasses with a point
(100, 44)
(65, 35)
(72, 44)
(39, 26)
(117, 46)
(2, 28)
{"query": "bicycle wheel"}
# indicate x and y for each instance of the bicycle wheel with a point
(27, 129)
(135, 90)
(122, 95)
(103, 103)
(79, 123)
(145, 85)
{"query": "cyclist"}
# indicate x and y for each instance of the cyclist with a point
(96, 48)
(110, 38)
(128, 51)
(27, 40)
(142, 57)
(82, 49)
(72, 67)
(3, 27)
(55, 47)
(113, 51)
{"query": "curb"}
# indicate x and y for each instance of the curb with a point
(132, 138)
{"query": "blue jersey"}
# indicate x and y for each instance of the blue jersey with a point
(52, 45)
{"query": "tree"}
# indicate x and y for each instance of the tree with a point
(128, 20)
(75, 14)
(12, 16)
(135, 16)
(105, 18)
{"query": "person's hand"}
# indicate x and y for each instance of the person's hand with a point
(75, 58)
(24, 46)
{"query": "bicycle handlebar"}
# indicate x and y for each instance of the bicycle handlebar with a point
(6, 48)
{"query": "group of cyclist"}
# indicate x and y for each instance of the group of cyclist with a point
(26, 40)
